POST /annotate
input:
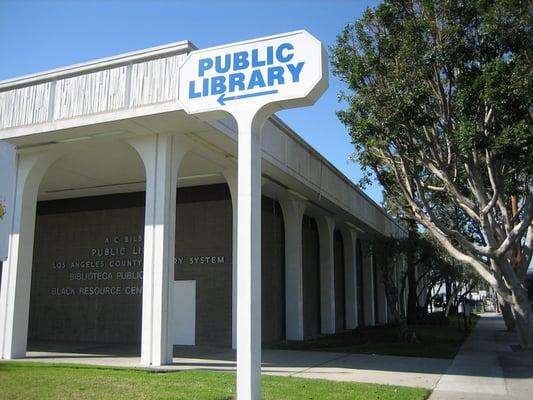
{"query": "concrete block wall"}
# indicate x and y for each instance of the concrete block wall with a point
(67, 234)
(204, 229)
(69, 230)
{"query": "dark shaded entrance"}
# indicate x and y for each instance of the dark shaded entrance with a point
(272, 271)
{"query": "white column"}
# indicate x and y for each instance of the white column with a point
(231, 179)
(249, 259)
(161, 155)
(293, 211)
(368, 286)
(350, 277)
(326, 225)
(16, 274)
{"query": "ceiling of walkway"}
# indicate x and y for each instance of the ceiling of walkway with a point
(115, 167)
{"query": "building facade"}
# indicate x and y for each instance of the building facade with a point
(123, 219)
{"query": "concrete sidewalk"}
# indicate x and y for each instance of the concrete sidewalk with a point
(390, 370)
(487, 368)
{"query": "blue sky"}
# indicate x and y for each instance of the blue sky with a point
(37, 35)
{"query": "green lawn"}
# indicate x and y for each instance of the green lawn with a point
(25, 380)
(439, 340)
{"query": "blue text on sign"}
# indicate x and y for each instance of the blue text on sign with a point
(271, 67)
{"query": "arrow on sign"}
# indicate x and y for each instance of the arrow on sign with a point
(222, 99)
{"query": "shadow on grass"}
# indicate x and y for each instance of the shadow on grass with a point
(438, 338)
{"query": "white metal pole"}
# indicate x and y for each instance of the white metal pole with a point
(249, 260)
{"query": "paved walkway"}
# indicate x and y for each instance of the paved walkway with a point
(391, 370)
(487, 368)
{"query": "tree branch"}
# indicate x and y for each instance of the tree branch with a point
(518, 231)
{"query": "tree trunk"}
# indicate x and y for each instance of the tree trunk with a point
(523, 316)
(407, 334)
(422, 310)
(448, 287)
(507, 314)
(448, 307)
(412, 294)
(391, 296)
(453, 294)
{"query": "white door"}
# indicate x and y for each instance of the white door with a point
(184, 312)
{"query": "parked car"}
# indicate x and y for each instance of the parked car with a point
(439, 300)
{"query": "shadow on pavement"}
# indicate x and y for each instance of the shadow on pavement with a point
(486, 353)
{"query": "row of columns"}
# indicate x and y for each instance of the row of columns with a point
(161, 155)
(293, 212)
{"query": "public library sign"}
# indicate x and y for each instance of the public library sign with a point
(288, 69)
(250, 81)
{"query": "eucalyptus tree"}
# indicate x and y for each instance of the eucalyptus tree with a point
(439, 108)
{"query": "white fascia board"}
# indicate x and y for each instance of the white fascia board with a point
(290, 132)
(277, 163)
(13, 134)
(166, 50)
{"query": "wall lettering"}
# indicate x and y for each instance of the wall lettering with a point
(106, 271)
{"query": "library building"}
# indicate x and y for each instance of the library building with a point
(122, 215)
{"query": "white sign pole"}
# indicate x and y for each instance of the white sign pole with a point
(249, 259)
(251, 80)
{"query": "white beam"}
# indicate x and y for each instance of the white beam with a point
(231, 179)
(161, 155)
(349, 237)
(16, 275)
(293, 211)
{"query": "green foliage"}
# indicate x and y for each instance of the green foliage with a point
(439, 111)
(415, 67)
